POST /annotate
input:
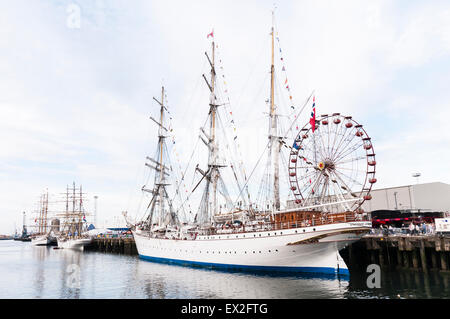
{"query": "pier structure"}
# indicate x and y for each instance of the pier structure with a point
(418, 252)
(116, 245)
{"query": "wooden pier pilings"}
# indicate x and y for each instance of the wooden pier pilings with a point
(421, 253)
(116, 245)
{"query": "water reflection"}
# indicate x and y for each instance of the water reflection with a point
(170, 281)
(43, 272)
(402, 284)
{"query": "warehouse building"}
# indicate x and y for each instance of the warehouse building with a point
(424, 197)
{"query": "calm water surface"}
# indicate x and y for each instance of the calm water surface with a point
(43, 272)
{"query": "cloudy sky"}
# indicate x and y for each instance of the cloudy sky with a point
(78, 78)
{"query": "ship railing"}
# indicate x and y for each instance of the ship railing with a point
(270, 226)
(321, 220)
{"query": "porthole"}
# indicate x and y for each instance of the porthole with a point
(314, 229)
(303, 230)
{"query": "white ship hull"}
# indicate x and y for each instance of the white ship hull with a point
(76, 244)
(40, 241)
(308, 249)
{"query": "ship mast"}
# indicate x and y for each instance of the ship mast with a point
(274, 139)
(214, 144)
(161, 167)
(159, 191)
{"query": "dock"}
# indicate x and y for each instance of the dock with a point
(116, 245)
(415, 252)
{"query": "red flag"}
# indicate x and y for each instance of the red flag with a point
(211, 34)
(312, 120)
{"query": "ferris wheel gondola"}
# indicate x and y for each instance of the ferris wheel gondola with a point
(332, 165)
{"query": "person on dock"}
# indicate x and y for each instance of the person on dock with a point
(411, 229)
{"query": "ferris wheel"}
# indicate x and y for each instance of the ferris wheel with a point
(332, 166)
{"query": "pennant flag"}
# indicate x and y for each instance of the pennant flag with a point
(312, 120)
(84, 218)
(287, 87)
(211, 34)
(296, 146)
(285, 82)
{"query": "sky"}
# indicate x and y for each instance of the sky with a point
(79, 77)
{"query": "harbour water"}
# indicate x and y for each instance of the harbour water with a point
(43, 272)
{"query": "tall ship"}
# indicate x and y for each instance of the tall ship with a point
(73, 229)
(42, 235)
(329, 174)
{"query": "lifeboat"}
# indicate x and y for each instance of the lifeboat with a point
(348, 125)
(324, 122)
(372, 180)
(293, 188)
(359, 134)
(368, 197)
(294, 160)
(337, 121)
(298, 201)
(372, 163)
(367, 146)
(305, 136)
(292, 174)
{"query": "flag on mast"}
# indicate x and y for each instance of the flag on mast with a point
(312, 120)
(211, 34)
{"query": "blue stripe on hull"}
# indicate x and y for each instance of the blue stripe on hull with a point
(322, 270)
